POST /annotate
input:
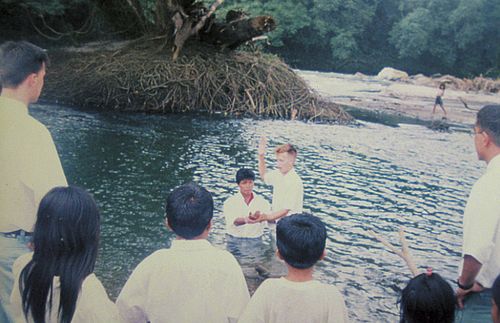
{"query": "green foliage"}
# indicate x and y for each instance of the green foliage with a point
(420, 36)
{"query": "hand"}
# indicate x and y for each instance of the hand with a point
(254, 216)
(262, 146)
(460, 293)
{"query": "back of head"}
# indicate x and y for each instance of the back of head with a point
(244, 173)
(301, 239)
(66, 239)
(189, 210)
(495, 291)
(488, 119)
(286, 148)
(18, 60)
(427, 298)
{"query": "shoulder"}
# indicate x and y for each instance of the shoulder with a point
(332, 293)
(20, 263)
(232, 199)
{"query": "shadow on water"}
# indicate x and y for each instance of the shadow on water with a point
(356, 179)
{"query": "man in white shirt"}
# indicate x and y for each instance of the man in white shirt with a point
(239, 209)
(29, 163)
(192, 281)
(288, 190)
(481, 227)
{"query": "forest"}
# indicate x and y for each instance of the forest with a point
(458, 37)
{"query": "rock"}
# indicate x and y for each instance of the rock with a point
(359, 75)
(389, 73)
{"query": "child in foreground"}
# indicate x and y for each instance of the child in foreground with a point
(427, 298)
(297, 297)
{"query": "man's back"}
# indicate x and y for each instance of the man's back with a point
(190, 282)
(281, 300)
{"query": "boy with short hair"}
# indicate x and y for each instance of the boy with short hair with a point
(192, 281)
(239, 209)
(297, 297)
(288, 189)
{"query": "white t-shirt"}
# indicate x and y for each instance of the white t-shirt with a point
(279, 300)
(482, 224)
(235, 207)
(93, 304)
(190, 282)
(29, 166)
(288, 190)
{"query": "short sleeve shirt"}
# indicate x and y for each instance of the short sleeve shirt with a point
(288, 190)
(235, 207)
(481, 227)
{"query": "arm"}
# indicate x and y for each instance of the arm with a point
(261, 157)
(470, 270)
(273, 216)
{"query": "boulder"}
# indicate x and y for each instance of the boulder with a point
(389, 73)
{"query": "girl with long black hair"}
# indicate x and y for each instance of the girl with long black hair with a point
(55, 283)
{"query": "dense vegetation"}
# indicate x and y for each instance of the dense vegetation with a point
(420, 36)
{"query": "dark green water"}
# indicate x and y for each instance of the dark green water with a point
(372, 177)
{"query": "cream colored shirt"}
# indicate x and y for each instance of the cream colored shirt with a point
(93, 304)
(482, 224)
(29, 166)
(288, 190)
(279, 300)
(190, 282)
(235, 207)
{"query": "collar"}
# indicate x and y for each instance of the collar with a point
(190, 245)
(243, 198)
(13, 105)
(290, 172)
(494, 164)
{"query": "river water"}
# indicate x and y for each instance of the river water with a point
(356, 178)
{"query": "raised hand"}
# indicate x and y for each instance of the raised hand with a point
(262, 146)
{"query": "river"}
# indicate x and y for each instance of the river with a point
(356, 178)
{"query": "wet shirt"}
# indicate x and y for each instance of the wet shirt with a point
(288, 190)
(279, 300)
(93, 304)
(482, 224)
(29, 166)
(235, 207)
(190, 282)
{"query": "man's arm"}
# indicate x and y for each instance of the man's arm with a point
(261, 157)
(470, 270)
(273, 216)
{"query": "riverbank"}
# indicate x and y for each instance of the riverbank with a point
(402, 100)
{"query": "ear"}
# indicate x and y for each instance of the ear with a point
(167, 224)
(323, 255)
(278, 254)
(209, 226)
(31, 79)
(487, 141)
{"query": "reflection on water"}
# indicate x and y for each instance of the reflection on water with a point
(356, 179)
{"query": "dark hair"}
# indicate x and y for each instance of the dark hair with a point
(244, 173)
(495, 291)
(66, 238)
(189, 210)
(488, 119)
(18, 60)
(427, 299)
(301, 239)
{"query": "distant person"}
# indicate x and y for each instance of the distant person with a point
(29, 163)
(439, 100)
(288, 190)
(495, 300)
(297, 297)
(240, 208)
(56, 282)
(192, 281)
(427, 298)
(481, 224)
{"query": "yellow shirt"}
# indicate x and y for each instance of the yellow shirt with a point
(29, 166)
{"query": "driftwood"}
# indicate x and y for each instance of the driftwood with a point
(404, 253)
(193, 19)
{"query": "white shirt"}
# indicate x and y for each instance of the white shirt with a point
(482, 224)
(93, 304)
(29, 166)
(190, 282)
(235, 207)
(288, 190)
(279, 300)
